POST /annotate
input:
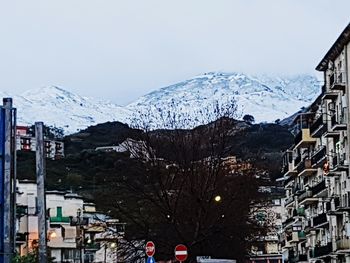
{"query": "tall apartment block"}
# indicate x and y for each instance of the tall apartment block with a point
(316, 169)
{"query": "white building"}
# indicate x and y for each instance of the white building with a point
(76, 232)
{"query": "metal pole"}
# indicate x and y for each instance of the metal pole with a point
(8, 226)
(14, 177)
(40, 179)
(105, 252)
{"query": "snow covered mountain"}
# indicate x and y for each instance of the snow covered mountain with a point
(191, 102)
(60, 108)
(266, 98)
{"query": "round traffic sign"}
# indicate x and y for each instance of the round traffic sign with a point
(150, 249)
(181, 252)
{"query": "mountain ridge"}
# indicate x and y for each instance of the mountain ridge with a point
(191, 102)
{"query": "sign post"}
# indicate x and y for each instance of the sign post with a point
(181, 252)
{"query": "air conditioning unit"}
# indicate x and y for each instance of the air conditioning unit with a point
(259, 253)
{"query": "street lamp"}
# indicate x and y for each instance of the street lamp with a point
(217, 198)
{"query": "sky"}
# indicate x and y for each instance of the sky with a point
(120, 50)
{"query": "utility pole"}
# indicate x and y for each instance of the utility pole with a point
(40, 179)
(8, 184)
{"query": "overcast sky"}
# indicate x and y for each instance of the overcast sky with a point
(121, 50)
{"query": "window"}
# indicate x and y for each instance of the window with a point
(70, 254)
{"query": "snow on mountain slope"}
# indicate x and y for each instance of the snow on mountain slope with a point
(60, 108)
(266, 98)
(192, 101)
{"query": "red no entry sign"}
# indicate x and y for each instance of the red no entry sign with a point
(150, 249)
(181, 252)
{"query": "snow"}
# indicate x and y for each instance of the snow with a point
(191, 102)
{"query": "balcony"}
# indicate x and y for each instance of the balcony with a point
(305, 168)
(318, 157)
(299, 212)
(288, 180)
(321, 251)
(337, 81)
(62, 219)
(330, 95)
(343, 244)
(289, 200)
(318, 127)
(320, 220)
(59, 218)
(296, 189)
(301, 235)
(296, 237)
(341, 205)
(288, 222)
(338, 123)
(21, 237)
(318, 188)
(303, 139)
(288, 170)
(339, 163)
(21, 210)
(92, 246)
(300, 258)
(306, 198)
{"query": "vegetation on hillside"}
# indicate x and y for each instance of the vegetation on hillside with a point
(166, 193)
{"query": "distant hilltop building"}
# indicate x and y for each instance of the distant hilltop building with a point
(25, 141)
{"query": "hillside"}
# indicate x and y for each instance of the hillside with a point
(85, 169)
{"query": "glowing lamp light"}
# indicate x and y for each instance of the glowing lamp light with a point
(53, 235)
(217, 198)
(113, 245)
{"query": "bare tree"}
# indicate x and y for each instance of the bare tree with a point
(183, 186)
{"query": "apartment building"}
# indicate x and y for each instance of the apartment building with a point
(265, 248)
(316, 169)
(25, 141)
(75, 231)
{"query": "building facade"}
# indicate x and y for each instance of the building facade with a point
(76, 232)
(25, 141)
(316, 169)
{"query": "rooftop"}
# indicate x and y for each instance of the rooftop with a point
(336, 49)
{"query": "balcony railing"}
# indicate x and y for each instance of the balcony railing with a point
(321, 251)
(288, 200)
(338, 122)
(62, 219)
(296, 189)
(298, 137)
(297, 160)
(337, 202)
(298, 258)
(299, 211)
(343, 244)
(318, 187)
(301, 235)
(21, 237)
(305, 195)
(337, 81)
(303, 165)
(303, 138)
(92, 246)
(338, 162)
(316, 128)
(318, 156)
(320, 219)
(288, 221)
